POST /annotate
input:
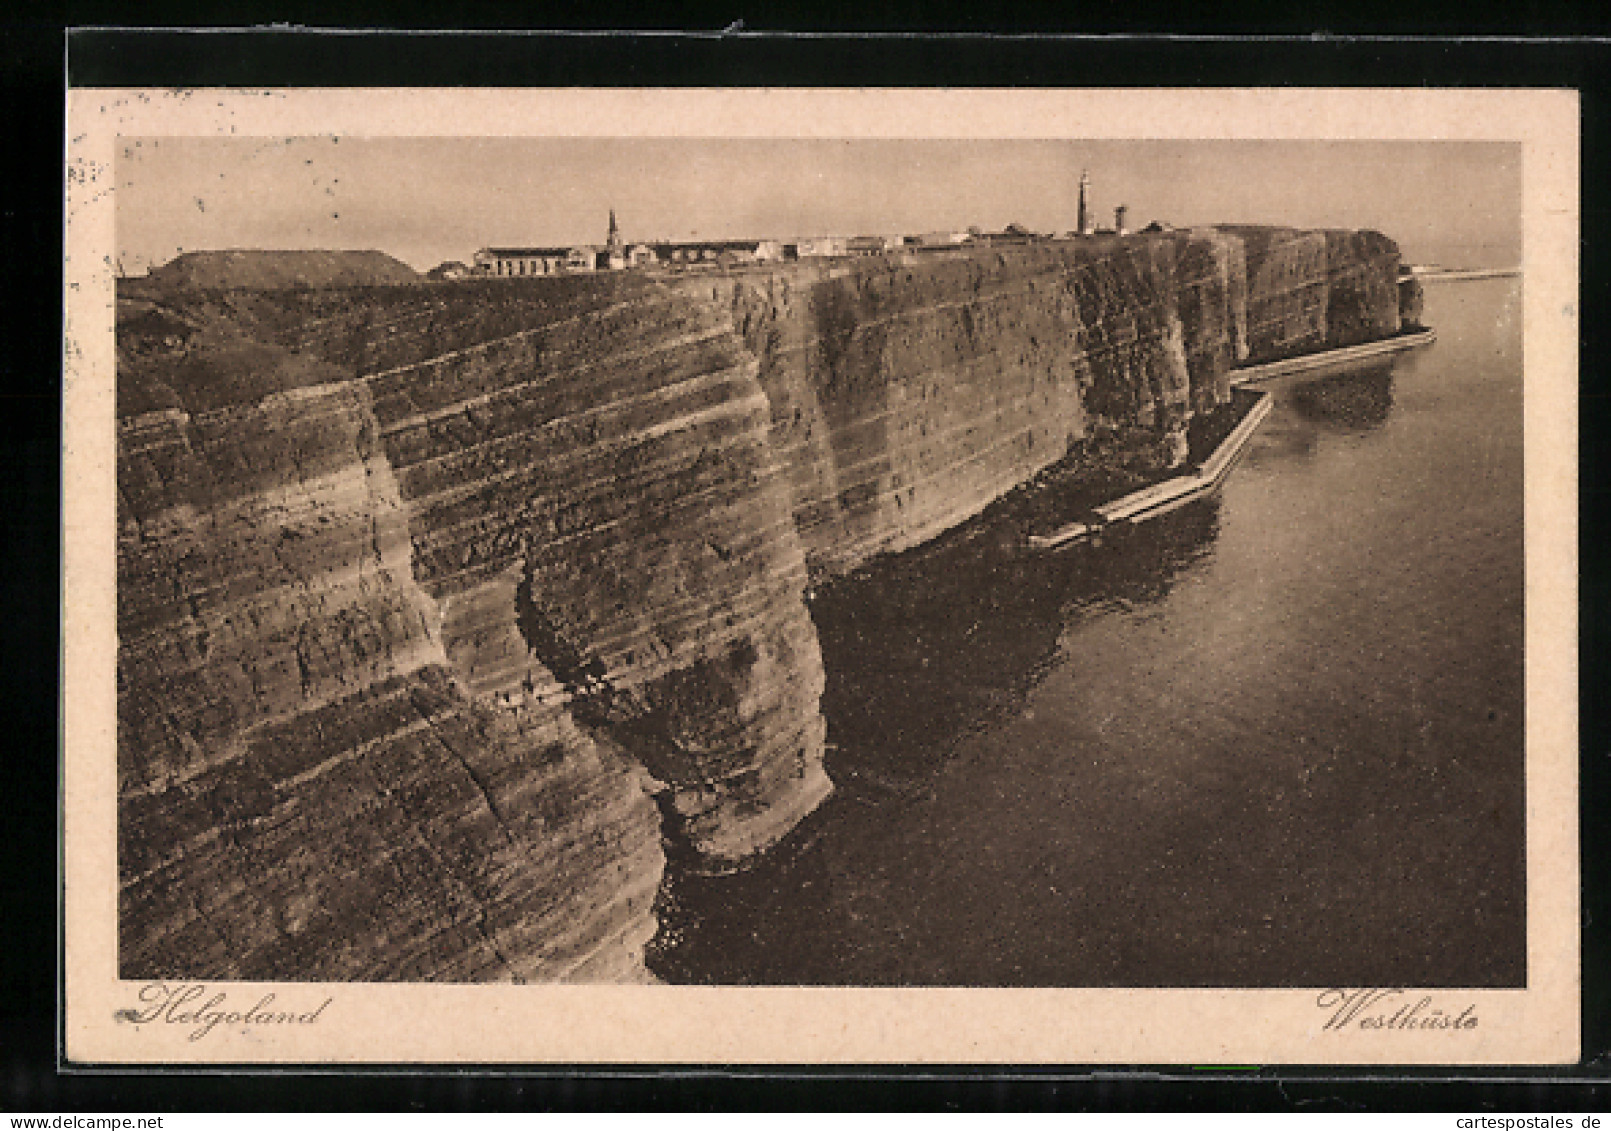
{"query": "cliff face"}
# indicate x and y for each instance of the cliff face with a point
(440, 604)
(594, 496)
(401, 540)
(306, 791)
(1310, 290)
(907, 393)
(1362, 287)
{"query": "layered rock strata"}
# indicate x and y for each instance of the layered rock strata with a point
(1411, 301)
(306, 790)
(906, 393)
(441, 604)
(596, 497)
(1362, 300)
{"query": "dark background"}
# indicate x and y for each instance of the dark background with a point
(39, 57)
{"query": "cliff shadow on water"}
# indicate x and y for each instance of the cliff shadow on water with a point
(1358, 400)
(921, 650)
(946, 640)
(1354, 403)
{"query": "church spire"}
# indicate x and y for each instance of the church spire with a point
(615, 232)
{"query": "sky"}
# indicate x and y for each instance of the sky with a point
(429, 200)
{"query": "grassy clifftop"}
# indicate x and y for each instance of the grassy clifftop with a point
(227, 270)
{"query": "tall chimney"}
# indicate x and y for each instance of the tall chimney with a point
(1087, 222)
(1119, 215)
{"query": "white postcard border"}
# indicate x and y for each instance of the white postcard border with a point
(350, 1024)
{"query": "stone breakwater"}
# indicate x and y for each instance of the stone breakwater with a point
(443, 610)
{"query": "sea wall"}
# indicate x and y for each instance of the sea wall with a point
(446, 608)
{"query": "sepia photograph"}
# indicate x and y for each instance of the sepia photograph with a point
(635, 560)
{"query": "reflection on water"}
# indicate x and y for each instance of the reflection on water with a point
(1271, 739)
(1361, 399)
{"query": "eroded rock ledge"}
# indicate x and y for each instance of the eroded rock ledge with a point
(441, 605)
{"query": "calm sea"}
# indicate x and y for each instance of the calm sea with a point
(1275, 738)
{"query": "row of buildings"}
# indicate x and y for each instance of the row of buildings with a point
(615, 254)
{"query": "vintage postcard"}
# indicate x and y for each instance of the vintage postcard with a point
(821, 576)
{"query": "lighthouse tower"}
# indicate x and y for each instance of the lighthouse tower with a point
(1087, 220)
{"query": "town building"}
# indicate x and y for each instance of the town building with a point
(510, 262)
(719, 253)
(871, 245)
(1012, 234)
(452, 269)
(933, 241)
(616, 255)
(819, 246)
(521, 262)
